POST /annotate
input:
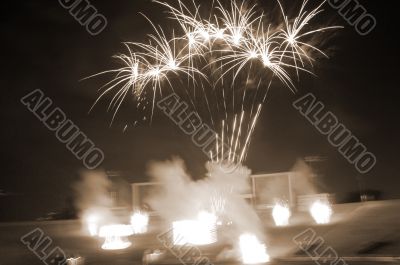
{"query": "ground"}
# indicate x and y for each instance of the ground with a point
(362, 233)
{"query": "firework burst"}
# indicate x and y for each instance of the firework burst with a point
(230, 44)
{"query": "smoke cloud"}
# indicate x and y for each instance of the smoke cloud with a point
(92, 196)
(180, 197)
(303, 181)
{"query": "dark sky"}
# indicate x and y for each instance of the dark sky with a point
(44, 47)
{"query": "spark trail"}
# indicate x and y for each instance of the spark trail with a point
(225, 63)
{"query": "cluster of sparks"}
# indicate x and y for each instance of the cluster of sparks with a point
(203, 231)
(139, 222)
(116, 235)
(232, 39)
(199, 231)
(321, 212)
(252, 250)
(281, 214)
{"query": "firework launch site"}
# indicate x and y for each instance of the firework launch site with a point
(355, 239)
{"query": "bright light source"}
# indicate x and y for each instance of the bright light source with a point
(201, 231)
(252, 251)
(115, 236)
(253, 54)
(139, 222)
(135, 72)
(321, 212)
(92, 224)
(155, 72)
(172, 65)
(204, 33)
(207, 218)
(266, 60)
(291, 39)
(219, 34)
(281, 214)
(191, 39)
(236, 38)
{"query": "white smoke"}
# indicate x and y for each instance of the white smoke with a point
(92, 195)
(180, 197)
(303, 181)
(276, 189)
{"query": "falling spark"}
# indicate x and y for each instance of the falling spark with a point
(293, 34)
(246, 143)
(232, 40)
(222, 140)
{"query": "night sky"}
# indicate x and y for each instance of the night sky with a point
(45, 48)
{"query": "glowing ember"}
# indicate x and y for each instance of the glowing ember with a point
(139, 222)
(281, 214)
(252, 251)
(92, 224)
(196, 232)
(321, 212)
(115, 236)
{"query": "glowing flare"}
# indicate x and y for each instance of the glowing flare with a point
(321, 212)
(253, 55)
(252, 251)
(172, 65)
(219, 34)
(139, 222)
(266, 60)
(191, 39)
(201, 231)
(290, 39)
(155, 72)
(281, 214)
(115, 236)
(237, 38)
(135, 72)
(205, 35)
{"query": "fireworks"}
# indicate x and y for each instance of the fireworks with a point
(281, 214)
(321, 212)
(218, 202)
(201, 231)
(115, 236)
(92, 224)
(231, 56)
(223, 65)
(139, 222)
(253, 252)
